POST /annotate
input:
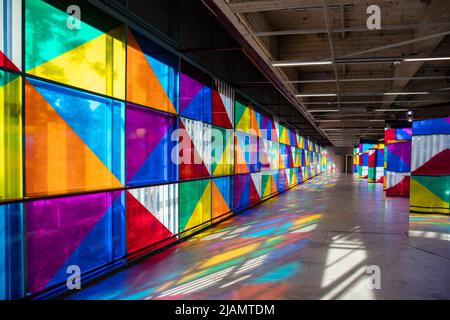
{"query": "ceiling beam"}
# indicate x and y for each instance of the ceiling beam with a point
(437, 10)
(373, 102)
(275, 5)
(439, 35)
(372, 79)
(368, 94)
(348, 29)
(333, 55)
(302, 63)
(239, 25)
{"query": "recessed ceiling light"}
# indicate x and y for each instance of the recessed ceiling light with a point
(390, 110)
(426, 59)
(316, 95)
(300, 63)
(405, 93)
(323, 110)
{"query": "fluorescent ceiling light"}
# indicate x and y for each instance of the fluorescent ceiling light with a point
(426, 59)
(316, 95)
(300, 63)
(393, 110)
(373, 120)
(404, 93)
(323, 110)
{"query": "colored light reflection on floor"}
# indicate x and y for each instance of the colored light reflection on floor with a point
(430, 232)
(235, 253)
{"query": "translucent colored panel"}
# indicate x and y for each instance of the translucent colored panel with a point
(430, 155)
(150, 146)
(74, 140)
(254, 154)
(430, 194)
(289, 178)
(242, 117)
(276, 131)
(87, 231)
(274, 155)
(195, 94)
(152, 74)
(380, 157)
(397, 161)
(246, 153)
(152, 216)
(10, 136)
(11, 252)
(11, 34)
(241, 191)
(194, 203)
(431, 126)
(302, 142)
(264, 154)
(255, 187)
(290, 159)
(223, 105)
(285, 156)
(222, 153)
(403, 133)
(282, 181)
(293, 138)
(88, 54)
(255, 122)
(194, 149)
(267, 184)
(222, 196)
(267, 127)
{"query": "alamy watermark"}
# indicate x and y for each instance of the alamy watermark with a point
(374, 279)
(73, 281)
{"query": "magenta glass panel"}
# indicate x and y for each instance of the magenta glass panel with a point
(86, 231)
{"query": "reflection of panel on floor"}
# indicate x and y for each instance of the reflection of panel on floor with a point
(86, 231)
(430, 232)
(152, 216)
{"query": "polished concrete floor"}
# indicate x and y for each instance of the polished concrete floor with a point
(321, 240)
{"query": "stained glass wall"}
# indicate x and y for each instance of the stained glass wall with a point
(398, 161)
(430, 170)
(127, 147)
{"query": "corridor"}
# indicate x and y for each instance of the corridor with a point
(315, 241)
